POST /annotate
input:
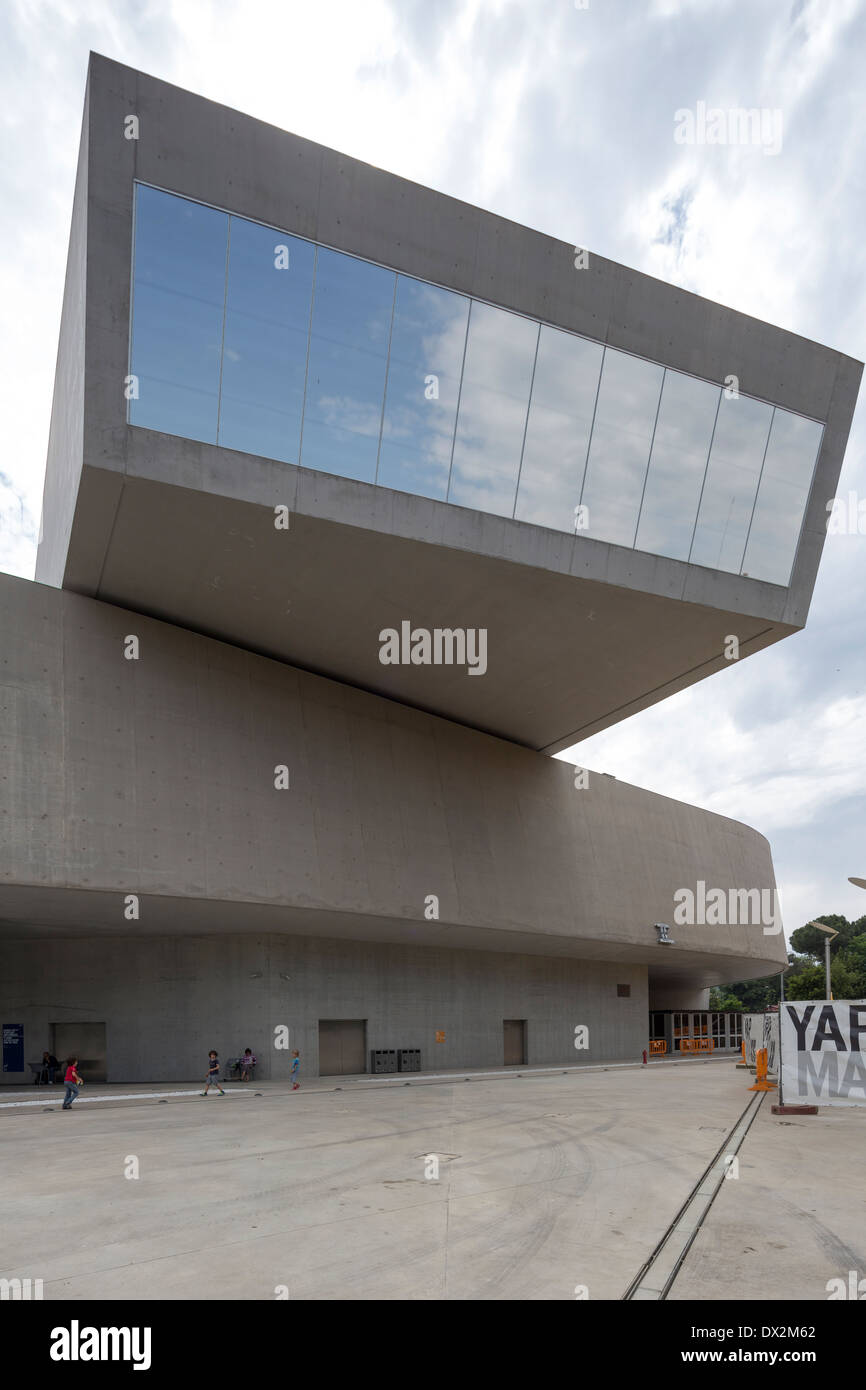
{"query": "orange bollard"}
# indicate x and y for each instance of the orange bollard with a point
(762, 1084)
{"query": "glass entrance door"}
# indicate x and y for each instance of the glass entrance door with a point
(682, 1029)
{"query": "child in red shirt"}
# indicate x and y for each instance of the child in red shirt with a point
(72, 1082)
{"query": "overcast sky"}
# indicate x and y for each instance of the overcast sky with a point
(561, 118)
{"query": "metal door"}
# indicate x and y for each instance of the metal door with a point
(342, 1046)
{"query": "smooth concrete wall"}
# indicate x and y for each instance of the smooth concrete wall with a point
(666, 996)
(567, 655)
(66, 431)
(155, 777)
(167, 1002)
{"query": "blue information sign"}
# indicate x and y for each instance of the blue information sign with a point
(13, 1047)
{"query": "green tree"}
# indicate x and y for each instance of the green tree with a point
(805, 977)
(805, 982)
(720, 1000)
(856, 950)
(747, 996)
(853, 958)
(809, 981)
(847, 983)
(809, 941)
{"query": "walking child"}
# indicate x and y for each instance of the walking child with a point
(296, 1066)
(72, 1082)
(213, 1073)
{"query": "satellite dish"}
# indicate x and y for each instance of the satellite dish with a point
(858, 882)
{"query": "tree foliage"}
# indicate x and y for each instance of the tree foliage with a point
(805, 977)
(809, 941)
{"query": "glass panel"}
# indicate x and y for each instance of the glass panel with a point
(782, 497)
(677, 465)
(265, 343)
(742, 428)
(352, 307)
(628, 399)
(560, 419)
(228, 358)
(177, 318)
(427, 341)
(493, 401)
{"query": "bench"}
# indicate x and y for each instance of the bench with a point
(234, 1069)
(40, 1070)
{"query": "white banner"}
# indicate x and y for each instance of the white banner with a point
(823, 1062)
(762, 1030)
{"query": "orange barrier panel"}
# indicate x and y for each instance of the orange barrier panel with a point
(696, 1044)
(658, 1046)
(762, 1084)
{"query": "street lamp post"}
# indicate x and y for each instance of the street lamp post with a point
(830, 932)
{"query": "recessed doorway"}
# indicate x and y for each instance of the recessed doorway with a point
(514, 1041)
(86, 1041)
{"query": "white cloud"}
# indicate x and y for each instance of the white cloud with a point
(773, 776)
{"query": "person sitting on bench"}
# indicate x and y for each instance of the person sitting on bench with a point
(49, 1069)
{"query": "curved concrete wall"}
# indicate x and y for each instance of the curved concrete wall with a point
(155, 777)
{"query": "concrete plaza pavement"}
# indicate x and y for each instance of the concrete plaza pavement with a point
(546, 1181)
(794, 1218)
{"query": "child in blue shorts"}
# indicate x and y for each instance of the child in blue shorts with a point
(213, 1074)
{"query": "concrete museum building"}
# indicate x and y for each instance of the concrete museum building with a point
(360, 504)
